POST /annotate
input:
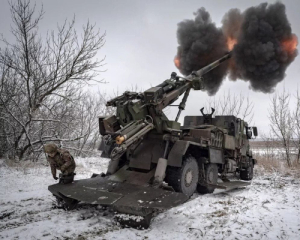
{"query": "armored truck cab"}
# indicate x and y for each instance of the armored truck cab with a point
(227, 143)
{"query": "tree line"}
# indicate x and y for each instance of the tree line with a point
(42, 82)
(42, 96)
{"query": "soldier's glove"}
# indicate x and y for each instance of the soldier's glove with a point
(55, 178)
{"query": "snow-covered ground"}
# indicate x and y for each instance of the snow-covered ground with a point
(267, 209)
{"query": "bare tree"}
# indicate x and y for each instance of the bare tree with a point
(297, 125)
(86, 113)
(3, 135)
(269, 145)
(232, 104)
(41, 79)
(282, 122)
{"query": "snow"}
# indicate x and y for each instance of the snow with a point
(269, 208)
(129, 217)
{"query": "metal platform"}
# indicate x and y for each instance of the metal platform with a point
(127, 192)
(122, 196)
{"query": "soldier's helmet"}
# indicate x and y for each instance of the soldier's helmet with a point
(50, 148)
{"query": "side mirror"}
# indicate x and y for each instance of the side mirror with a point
(254, 131)
(249, 134)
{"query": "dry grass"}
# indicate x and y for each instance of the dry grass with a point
(23, 166)
(268, 163)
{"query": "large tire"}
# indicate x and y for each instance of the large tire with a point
(211, 176)
(184, 179)
(247, 174)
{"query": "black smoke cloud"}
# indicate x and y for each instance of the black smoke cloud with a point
(259, 55)
(232, 22)
(200, 43)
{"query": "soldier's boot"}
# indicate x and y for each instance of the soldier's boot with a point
(65, 178)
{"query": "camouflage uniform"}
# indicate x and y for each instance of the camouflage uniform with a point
(62, 160)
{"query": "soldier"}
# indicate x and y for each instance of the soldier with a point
(60, 159)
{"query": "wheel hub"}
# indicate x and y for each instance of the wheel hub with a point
(210, 176)
(188, 177)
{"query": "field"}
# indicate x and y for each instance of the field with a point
(267, 209)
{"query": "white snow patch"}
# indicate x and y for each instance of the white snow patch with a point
(267, 209)
(127, 217)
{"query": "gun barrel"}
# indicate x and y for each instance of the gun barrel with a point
(211, 66)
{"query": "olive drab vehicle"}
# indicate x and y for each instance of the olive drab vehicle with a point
(155, 163)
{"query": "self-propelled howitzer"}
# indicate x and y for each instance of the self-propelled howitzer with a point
(157, 164)
(139, 113)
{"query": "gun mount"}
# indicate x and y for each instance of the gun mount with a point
(146, 148)
(132, 106)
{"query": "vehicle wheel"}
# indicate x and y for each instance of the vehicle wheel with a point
(247, 174)
(211, 176)
(184, 179)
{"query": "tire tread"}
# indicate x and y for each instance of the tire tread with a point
(173, 174)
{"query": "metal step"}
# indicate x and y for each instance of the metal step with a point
(230, 185)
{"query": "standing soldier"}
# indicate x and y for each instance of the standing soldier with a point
(62, 160)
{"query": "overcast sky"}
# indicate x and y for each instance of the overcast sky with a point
(141, 43)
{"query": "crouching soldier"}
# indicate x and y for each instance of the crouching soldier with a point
(62, 160)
